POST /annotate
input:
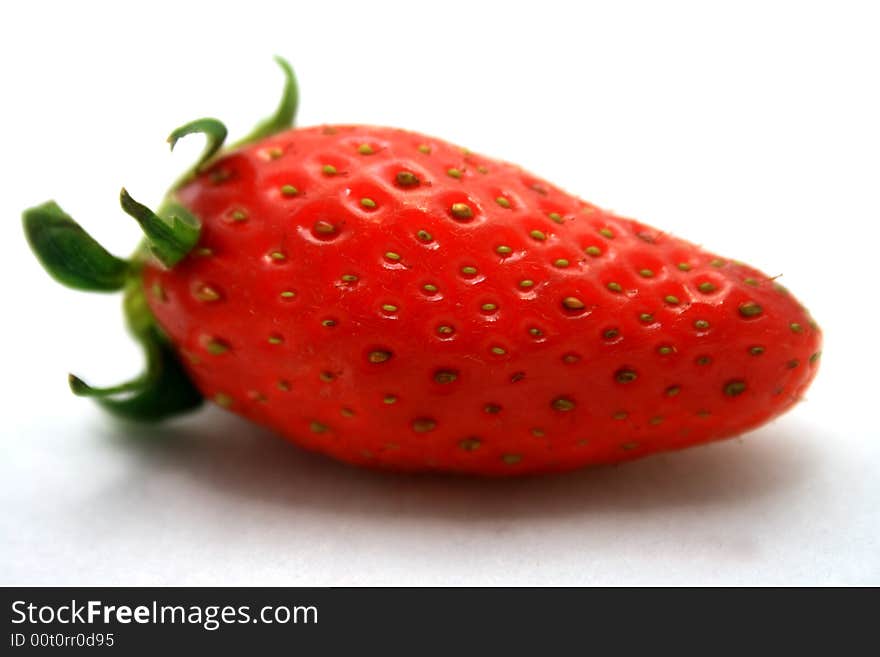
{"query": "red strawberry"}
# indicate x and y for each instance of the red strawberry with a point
(395, 301)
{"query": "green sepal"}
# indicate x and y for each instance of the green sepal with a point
(69, 254)
(284, 116)
(82, 389)
(215, 134)
(170, 236)
(163, 390)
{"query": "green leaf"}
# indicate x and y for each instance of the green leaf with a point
(163, 390)
(69, 254)
(284, 116)
(215, 133)
(170, 236)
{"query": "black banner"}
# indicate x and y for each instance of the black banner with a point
(414, 621)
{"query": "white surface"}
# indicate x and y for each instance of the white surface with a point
(751, 128)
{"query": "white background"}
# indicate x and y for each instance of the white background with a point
(753, 128)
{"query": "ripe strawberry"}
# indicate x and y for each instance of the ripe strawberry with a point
(392, 300)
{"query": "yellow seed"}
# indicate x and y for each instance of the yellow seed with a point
(445, 377)
(503, 202)
(406, 179)
(216, 347)
(573, 303)
(379, 356)
(750, 309)
(454, 173)
(328, 170)
(368, 203)
(461, 211)
(424, 425)
(207, 293)
(289, 190)
(538, 235)
(563, 404)
(626, 376)
(365, 149)
(470, 444)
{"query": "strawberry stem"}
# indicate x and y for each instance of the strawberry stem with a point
(74, 258)
(71, 256)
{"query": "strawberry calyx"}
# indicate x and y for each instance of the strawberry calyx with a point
(75, 259)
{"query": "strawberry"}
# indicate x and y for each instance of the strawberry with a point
(395, 301)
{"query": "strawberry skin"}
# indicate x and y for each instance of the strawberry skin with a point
(394, 301)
